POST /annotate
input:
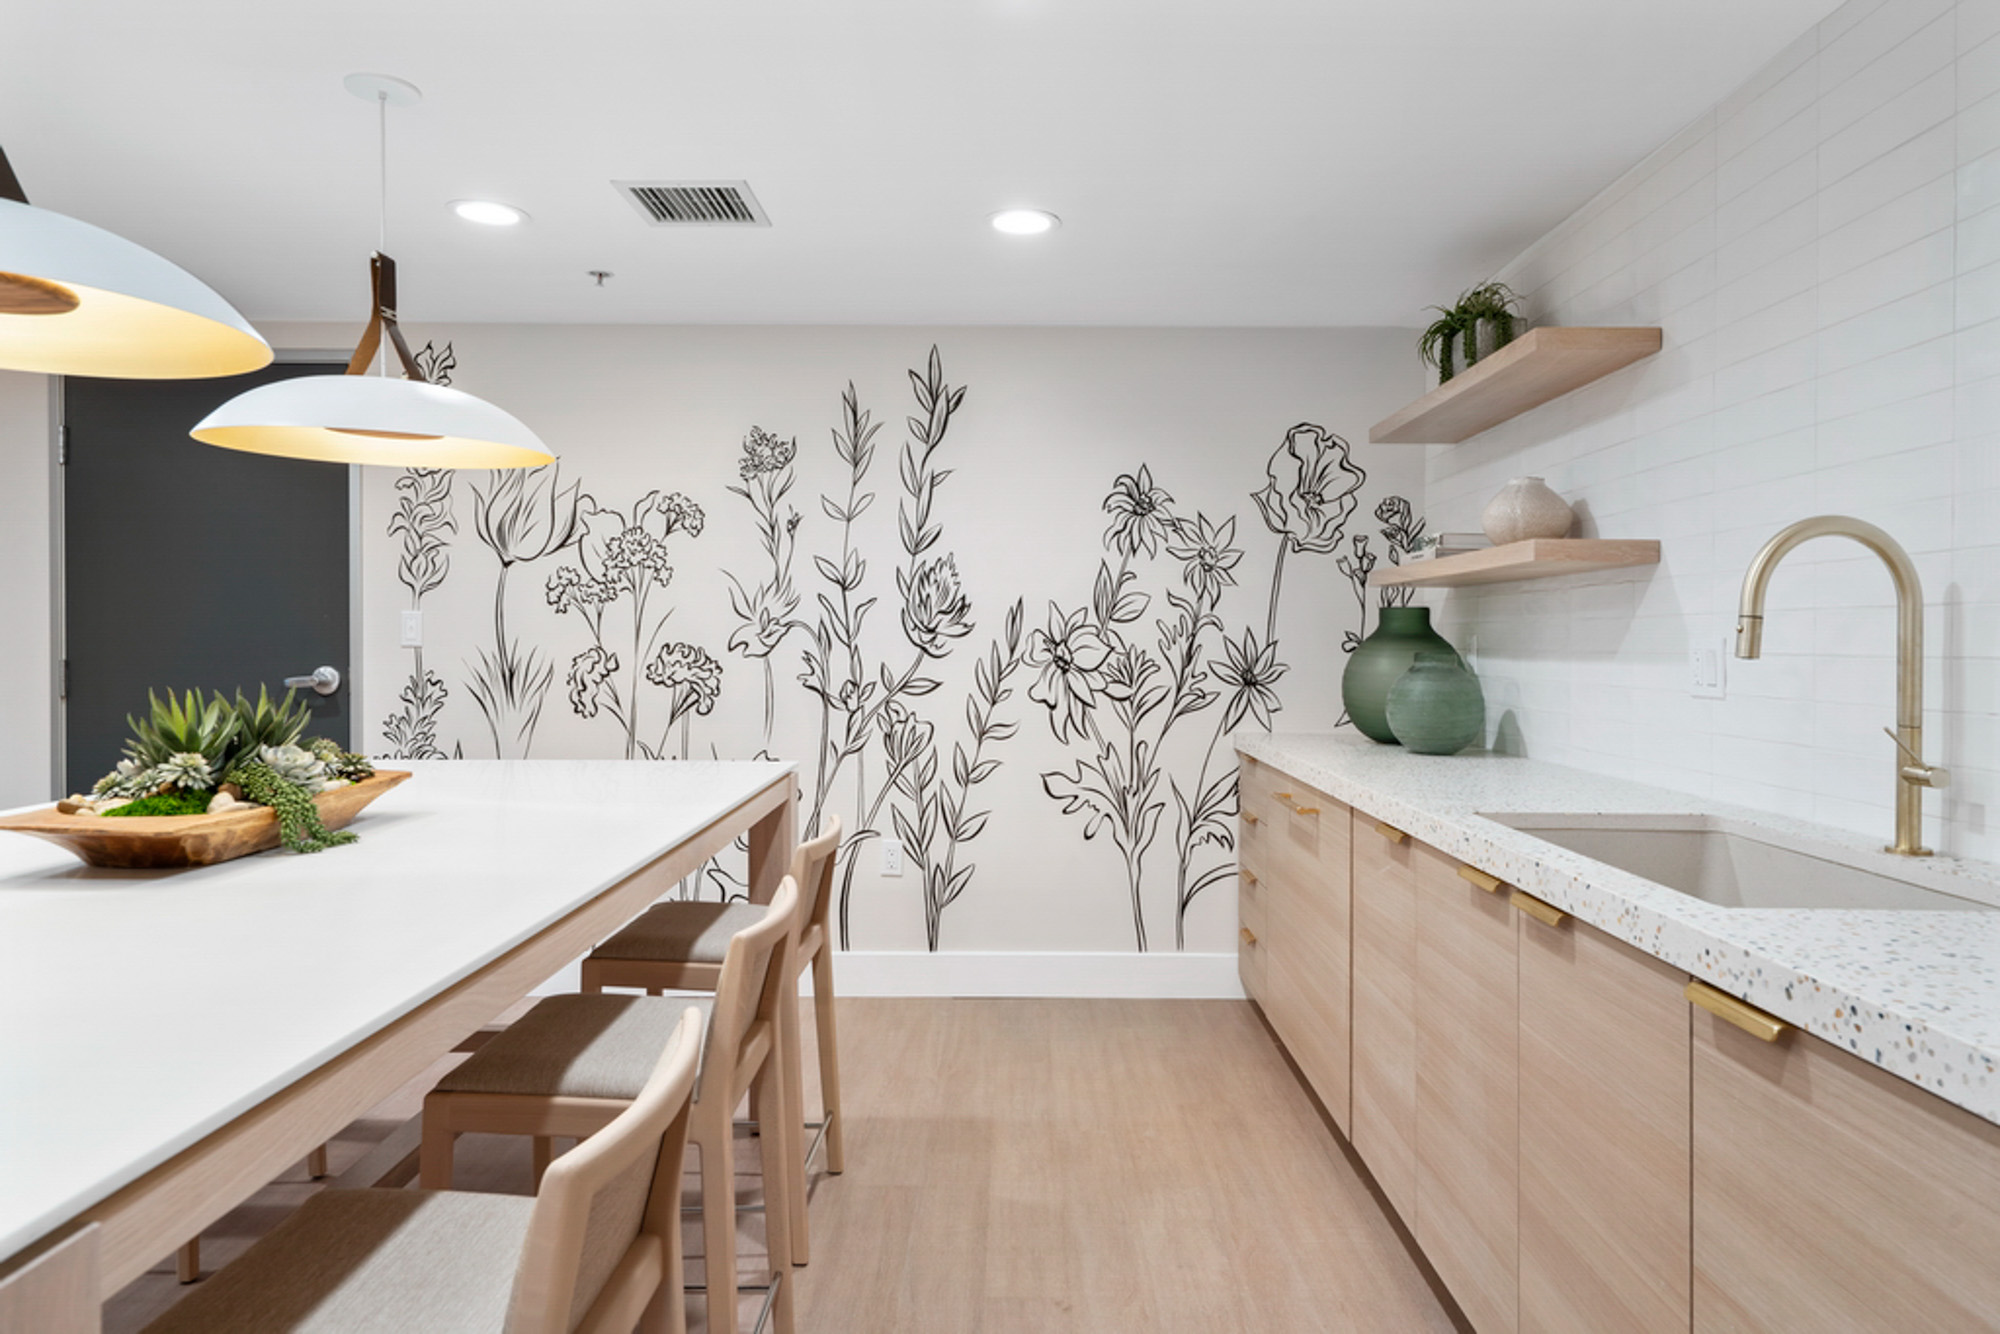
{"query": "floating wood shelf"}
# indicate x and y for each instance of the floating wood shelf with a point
(1543, 558)
(1540, 365)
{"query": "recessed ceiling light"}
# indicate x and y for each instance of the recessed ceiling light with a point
(1025, 221)
(487, 212)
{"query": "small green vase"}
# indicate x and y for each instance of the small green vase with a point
(1437, 708)
(1384, 656)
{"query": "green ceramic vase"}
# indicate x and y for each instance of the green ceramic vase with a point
(1381, 659)
(1436, 708)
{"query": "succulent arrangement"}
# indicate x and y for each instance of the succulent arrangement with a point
(191, 756)
(1491, 304)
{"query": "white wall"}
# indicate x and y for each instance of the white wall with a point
(1823, 251)
(26, 697)
(1049, 420)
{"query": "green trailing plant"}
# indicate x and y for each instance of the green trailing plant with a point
(299, 825)
(166, 803)
(1492, 305)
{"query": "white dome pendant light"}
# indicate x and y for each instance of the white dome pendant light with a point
(358, 418)
(78, 300)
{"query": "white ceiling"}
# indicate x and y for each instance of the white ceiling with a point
(1256, 162)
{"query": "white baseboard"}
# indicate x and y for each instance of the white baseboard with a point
(1132, 976)
(993, 973)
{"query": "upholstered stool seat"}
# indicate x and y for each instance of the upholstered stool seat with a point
(329, 1267)
(685, 932)
(579, 1047)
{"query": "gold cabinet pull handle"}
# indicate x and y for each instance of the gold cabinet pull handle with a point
(1248, 877)
(1250, 817)
(1763, 1027)
(1472, 874)
(1393, 834)
(1545, 913)
(1249, 936)
(1306, 810)
(1286, 797)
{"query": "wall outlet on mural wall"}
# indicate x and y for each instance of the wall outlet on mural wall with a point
(412, 635)
(892, 856)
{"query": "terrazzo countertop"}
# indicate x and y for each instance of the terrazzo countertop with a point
(1914, 992)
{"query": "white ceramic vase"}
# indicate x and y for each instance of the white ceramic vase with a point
(1526, 509)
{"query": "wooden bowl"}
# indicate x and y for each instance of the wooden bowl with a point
(147, 842)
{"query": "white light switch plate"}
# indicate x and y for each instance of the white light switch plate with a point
(413, 630)
(1706, 671)
(892, 856)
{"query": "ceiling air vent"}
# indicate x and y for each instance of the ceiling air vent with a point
(695, 203)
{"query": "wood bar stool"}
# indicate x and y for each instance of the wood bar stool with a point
(678, 947)
(569, 1066)
(597, 1250)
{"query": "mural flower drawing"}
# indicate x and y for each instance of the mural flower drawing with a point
(424, 521)
(767, 612)
(693, 682)
(1120, 695)
(523, 516)
(866, 703)
(1071, 654)
(623, 559)
(1307, 498)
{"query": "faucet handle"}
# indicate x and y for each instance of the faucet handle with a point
(1916, 771)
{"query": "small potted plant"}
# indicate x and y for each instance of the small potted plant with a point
(1492, 305)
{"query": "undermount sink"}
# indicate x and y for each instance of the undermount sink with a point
(1731, 864)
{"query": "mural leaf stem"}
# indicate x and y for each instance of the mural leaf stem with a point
(1277, 582)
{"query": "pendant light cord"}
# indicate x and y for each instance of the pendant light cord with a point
(382, 193)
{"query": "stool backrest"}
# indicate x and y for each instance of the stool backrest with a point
(612, 1204)
(812, 867)
(752, 983)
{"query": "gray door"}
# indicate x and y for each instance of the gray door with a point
(191, 566)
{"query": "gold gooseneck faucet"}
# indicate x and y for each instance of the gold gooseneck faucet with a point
(1912, 774)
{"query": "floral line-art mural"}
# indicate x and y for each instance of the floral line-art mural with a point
(1121, 694)
(424, 522)
(911, 689)
(524, 515)
(622, 561)
(767, 612)
(859, 705)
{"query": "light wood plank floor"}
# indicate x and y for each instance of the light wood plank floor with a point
(1034, 1167)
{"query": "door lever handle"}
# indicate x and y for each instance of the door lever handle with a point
(324, 680)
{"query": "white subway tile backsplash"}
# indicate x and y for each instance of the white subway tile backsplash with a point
(1831, 305)
(1892, 76)
(1902, 119)
(1923, 159)
(1979, 67)
(1889, 327)
(1929, 208)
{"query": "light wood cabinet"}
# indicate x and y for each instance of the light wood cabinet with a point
(1831, 1195)
(1467, 1091)
(1384, 987)
(1293, 906)
(1604, 1211)
(1307, 981)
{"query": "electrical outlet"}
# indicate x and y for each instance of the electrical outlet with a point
(892, 856)
(1705, 669)
(413, 630)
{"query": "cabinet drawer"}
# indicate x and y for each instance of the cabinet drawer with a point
(1250, 941)
(1384, 1128)
(1829, 1194)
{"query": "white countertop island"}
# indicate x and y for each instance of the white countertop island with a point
(143, 1012)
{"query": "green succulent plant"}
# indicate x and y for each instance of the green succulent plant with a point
(266, 724)
(178, 726)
